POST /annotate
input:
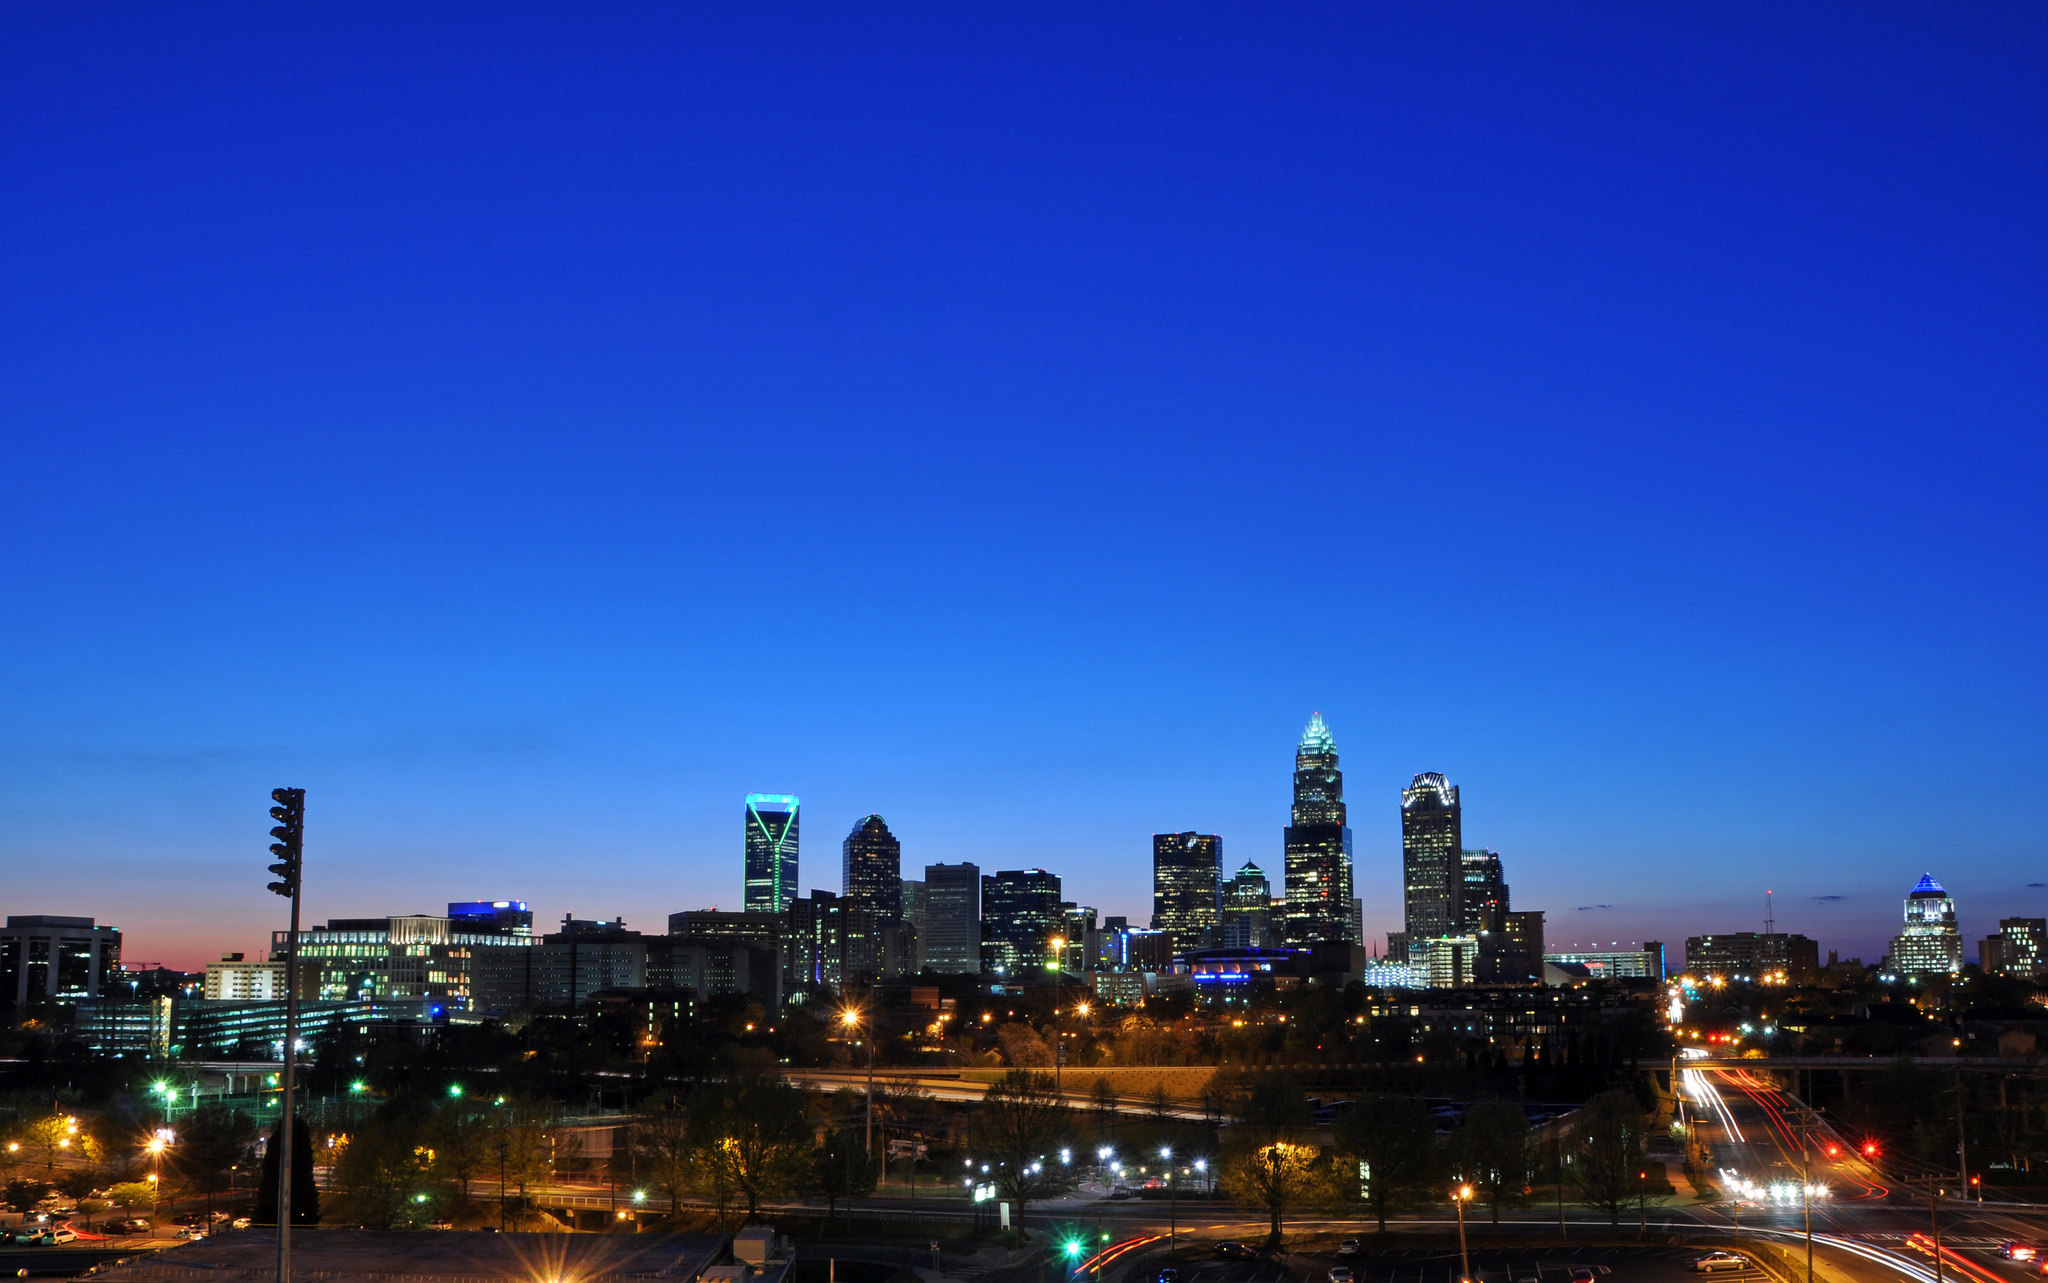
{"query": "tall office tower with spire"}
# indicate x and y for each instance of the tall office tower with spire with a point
(1318, 846)
(771, 852)
(1432, 859)
(873, 870)
(1187, 872)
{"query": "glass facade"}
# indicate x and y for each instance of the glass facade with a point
(1187, 870)
(771, 852)
(951, 929)
(1247, 910)
(1318, 846)
(45, 958)
(1432, 859)
(1020, 914)
(873, 870)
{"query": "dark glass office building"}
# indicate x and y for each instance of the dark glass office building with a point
(1187, 871)
(1318, 846)
(951, 926)
(873, 870)
(1020, 915)
(1484, 899)
(1432, 858)
(771, 852)
(1247, 910)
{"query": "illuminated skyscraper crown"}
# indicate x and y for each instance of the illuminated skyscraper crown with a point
(1316, 738)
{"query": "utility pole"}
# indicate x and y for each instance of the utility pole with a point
(290, 832)
(1962, 1141)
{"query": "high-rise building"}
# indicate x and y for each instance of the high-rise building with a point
(1187, 873)
(1247, 910)
(586, 957)
(1484, 898)
(49, 958)
(457, 960)
(2019, 949)
(1020, 915)
(873, 869)
(1432, 858)
(1318, 845)
(830, 941)
(771, 852)
(1930, 943)
(951, 930)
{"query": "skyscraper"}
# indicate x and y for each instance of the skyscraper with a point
(1318, 845)
(873, 869)
(1930, 943)
(951, 930)
(1187, 870)
(1020, 915)
(1247, 910)
(1432, 864)
(771, 852)
(1484, 904)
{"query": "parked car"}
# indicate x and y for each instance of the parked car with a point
(1349, 1247)
(26, 1235)
(1713, 1261)
(1584, 1274)
(1233, 1250)
(2014, 1251)
(52, 1237)
(1340, 1274)
(192, 1232)
(241, 1222)
(1169, 1275)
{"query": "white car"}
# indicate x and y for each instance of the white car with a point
(1719, 1261)
(59, 1235)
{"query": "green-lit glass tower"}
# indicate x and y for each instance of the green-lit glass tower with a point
(771, 852)
(1318, 846)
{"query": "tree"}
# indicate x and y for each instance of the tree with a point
(212, 1143)
(522, 1140)
(1103, 1098)
(1022, 1046)
(384, 1166)
(1393, 1141)
(1021, 1121)
(23, 1194)
(1277, 1176)
(58, 1134)
(461, 1141)
(1493, 1152)
(665, 1150)
(305, 1194)
(760, 1139)
(132, 1195)
(1607, 1158)
(841, 1170)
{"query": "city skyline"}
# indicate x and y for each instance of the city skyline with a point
(1015, 425)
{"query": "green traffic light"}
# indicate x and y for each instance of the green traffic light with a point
(1073, 1247)
(359, 1086)
(455, 1090)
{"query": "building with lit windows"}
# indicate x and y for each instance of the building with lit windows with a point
(1930, 944)
(1646, 963)
(236, 979)
(1187, 871)
(950, 933)
(2019, 949)
(771, 852)
(1753, 956)
(1432, 859)
(45, 958)
(1246, 919)
(1317, 845)
(411, 956)
(872, 870)
(1020, 916)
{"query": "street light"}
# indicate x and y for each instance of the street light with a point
(1172, 1206)
(1459, 1197)
(850, 1018)
(1059, 977)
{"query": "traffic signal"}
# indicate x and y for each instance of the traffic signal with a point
(290, 814)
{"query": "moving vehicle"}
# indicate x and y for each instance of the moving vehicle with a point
(1713, 1261)
(2015, 1251)
(241, 1223)
(1584, 1274)
(1232, 1250)
(1169, 1275)
(1340, 1274)
(1349, 1247)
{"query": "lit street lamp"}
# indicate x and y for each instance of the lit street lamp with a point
(851, 1019)
(1459, 1197)
(1172, 1206)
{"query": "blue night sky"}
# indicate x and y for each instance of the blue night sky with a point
(530, 429)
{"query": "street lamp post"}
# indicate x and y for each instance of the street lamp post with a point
(851, 1019)
(1459, 1197)
(1059, 979)
(1172, 1204)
